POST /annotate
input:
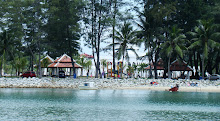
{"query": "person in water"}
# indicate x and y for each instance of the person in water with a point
(177, 86)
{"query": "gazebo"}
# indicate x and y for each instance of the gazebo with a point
(181, 66)
(176, 65)
(158, 67)
(63, 63)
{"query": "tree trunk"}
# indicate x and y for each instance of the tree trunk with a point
(169, 73)
(39, 62)
(74, 69)
(191, 62)
(32, 67)
(203, 66)
(81, 71)
(1, 67)
(113, 38)
(150, 58)
(155, 63)
(98, 48)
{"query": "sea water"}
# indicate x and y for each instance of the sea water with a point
(68, 104)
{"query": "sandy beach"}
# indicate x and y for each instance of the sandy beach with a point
(131, 83)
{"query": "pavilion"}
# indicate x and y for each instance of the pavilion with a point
(62, 63)
(176, 65)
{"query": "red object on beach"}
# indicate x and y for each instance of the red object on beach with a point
(174, 89)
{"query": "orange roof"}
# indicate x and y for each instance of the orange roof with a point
(174, 66)
(64, 62)
(64, 65)
(64, 59)
(159, 65)
(180, 66)
(87, 55)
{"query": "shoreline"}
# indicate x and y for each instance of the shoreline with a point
(117, 84)
(181, 89)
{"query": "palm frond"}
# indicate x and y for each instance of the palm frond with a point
(179, 51)
(197, 43)
(169, 50)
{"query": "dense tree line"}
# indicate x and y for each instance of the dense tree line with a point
(170, 29)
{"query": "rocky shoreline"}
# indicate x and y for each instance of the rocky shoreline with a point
(131, 83)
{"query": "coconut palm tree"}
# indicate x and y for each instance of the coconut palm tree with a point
(203, 38)
(174, 44)
(125, 39)
(142, 66)
(88, 66)
(6, 48)
(130, 71)
(104, 64)
(19, 64)
(83, 62)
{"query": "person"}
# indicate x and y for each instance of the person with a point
(87, 74)
(177, 86)
(103, 74)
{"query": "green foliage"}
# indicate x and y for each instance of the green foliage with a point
(125, 38)
(63, 29)
(45, 62)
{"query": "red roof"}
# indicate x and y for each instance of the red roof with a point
(64, 65)
(64, 59)
(159, 65)
(64, 62)
(180, 66)
(175, 66)
(87, 55)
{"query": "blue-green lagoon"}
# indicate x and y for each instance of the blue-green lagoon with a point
(68, 104)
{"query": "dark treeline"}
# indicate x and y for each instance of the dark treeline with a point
(170, 29)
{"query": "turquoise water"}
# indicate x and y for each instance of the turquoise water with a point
(68, 104)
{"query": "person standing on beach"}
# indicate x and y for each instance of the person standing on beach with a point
(87, 74)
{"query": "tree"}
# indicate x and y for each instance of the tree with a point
(154, 20)
(19, 64)
(203, 37)
(7, 48)
(63, 30)
(125, 38)
(174, 44)
(104, 64)
(83, 61)
(130, 71)
(141, 68)
(97, 21)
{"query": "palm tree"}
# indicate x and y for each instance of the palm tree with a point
(130, 71)
(153, 25)
(19, 64)
(83, 62)
(6, 48)
(174, 44)
(104, 64)
(125, 38)
(142, 66)
(88, 65)
(203, 37)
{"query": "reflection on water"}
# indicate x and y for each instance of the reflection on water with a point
(68, 104)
